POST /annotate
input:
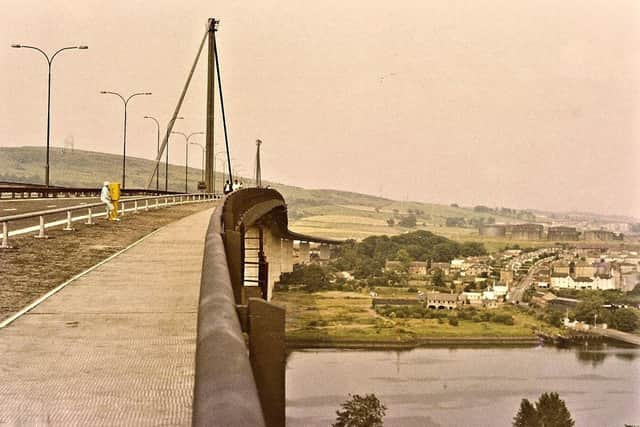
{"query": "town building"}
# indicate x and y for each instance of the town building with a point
(506, 276)
(441, 301)
(418, 268)
(442, 266)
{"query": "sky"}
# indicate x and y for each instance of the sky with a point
(520, 104)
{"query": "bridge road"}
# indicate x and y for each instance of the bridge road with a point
(114, 347)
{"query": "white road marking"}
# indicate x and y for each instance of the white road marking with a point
(9, 209)
(51, 206)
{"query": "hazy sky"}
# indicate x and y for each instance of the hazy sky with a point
(527, 104)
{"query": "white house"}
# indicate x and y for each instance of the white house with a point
(500, 290)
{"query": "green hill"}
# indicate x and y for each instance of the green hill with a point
(330, 213)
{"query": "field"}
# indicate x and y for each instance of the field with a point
(360, 221)
(335, 316)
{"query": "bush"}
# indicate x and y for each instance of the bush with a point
(360, 411)
(453, 321)
(412, 290)
(624, 319)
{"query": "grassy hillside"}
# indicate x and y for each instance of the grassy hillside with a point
(328, 213)
(85, 168)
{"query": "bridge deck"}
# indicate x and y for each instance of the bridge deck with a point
(114, 347)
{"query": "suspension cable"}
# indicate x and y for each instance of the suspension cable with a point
(224, 117)
(165, 140)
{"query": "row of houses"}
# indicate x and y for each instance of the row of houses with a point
(488, 298)
(599, 274)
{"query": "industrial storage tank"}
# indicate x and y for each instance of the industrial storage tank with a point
(525, 231)
(493, 230)
(560, 233)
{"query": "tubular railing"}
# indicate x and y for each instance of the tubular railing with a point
(167, 200)
(27, 191)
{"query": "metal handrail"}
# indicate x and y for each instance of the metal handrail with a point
(28, 215)
(5, 220)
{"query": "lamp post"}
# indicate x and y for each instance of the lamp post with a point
(186, 156)
(125, 101)
(49, 62)
(157, 150)
(166, 165)
(202, 148)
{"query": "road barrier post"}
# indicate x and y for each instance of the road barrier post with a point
(89, 217)
(135, 207)
(68, 227)
(41, 234)
(5, 236)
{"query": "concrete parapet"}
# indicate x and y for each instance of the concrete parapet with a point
(267, 353)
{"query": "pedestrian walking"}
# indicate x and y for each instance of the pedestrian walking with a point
(227, 187)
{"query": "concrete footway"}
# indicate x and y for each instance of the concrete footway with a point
(114, 347)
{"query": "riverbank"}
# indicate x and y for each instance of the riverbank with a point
(336, 319)
(294, 343)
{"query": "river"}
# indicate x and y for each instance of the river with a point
(431, 387)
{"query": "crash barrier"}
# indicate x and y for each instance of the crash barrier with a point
(133, 204)
(31, 191)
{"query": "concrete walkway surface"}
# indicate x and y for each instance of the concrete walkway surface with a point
(114, 347)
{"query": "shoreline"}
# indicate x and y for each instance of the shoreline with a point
(305, 343)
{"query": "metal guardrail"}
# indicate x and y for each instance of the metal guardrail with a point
(168, 200)
(28, 191)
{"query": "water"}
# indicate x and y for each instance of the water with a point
(466, 386)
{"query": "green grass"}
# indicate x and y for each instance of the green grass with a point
(348, 316)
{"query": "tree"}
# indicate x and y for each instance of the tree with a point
(526, 416)
(360, 411)
(438, 278)
(404, 258)
(624, 319)
(408, 221)
(391, 222)
(552, 412)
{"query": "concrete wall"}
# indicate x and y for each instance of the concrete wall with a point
(303, 252)
(325, 252)
(287, 256)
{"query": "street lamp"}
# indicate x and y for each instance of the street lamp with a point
(186, 156)
(202, 148)
(124, 145)
(157, 150)
(166, 165)
(49, 62)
